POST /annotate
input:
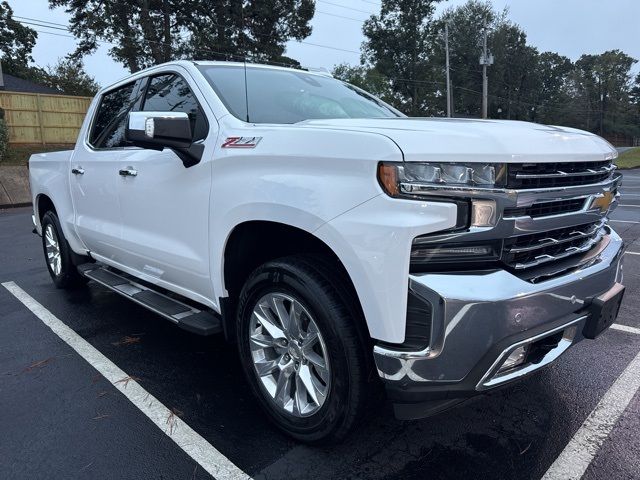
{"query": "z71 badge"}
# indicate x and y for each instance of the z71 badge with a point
(241, 142)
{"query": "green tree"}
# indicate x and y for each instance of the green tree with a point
(368, 79)
(603, 85)
(514, 78)
(397, 47)
(69, 77)
(16, 43)
(465, 47)
(258, 29)
(149, 32)
(553, 98)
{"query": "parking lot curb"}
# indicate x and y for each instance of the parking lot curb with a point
(14, 187)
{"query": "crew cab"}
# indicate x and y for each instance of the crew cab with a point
(338, 243)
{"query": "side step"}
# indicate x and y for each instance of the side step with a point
(185, 316)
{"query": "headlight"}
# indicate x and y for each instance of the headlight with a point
(405, 179)
(397, 179)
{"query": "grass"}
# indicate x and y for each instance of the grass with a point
(629, 159)
(19, 154)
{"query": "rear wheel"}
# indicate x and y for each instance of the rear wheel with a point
(301, 348)
(58, 254)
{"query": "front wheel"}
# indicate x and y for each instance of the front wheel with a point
(301, 348)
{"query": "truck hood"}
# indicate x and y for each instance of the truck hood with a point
(471, 140)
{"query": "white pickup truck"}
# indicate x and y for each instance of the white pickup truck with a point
(338, 243)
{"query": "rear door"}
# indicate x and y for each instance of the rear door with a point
(94, 171)
(165, 206)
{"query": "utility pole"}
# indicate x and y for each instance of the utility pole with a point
(485, 60)
(446, 47)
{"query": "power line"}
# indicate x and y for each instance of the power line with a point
(346, 8)
(59, 26)
(340, 16)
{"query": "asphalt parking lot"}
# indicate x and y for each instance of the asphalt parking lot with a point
(62, 418)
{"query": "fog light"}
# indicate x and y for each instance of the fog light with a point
(483, 213)
(517, 357)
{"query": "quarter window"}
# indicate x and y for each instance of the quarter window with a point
(171, 93)
(111, 118)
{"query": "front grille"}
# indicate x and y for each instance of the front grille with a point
(544, 209)
(526, 251)
(546, 175)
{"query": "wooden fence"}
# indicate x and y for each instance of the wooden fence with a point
(35, 118)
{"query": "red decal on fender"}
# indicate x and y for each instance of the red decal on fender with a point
(241, 142)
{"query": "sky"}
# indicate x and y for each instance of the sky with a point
(569, 27)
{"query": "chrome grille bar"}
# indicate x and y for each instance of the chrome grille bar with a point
(560, 173)
(550, 241)
(544, 258)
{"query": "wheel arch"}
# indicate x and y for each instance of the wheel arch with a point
(255, 242)
(43, 205)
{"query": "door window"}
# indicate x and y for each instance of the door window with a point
(111, 118)
(171, 93)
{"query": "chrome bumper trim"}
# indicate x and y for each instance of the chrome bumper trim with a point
(475, 312)
(493, 379)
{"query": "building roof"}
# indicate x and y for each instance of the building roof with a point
(15, 84)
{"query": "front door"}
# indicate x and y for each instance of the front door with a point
(94, 177)
(165, 206)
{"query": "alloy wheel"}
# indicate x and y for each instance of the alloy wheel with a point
(289, 354)
(52, 245)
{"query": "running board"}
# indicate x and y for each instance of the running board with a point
(185, 316)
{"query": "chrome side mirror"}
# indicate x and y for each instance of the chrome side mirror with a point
(160, 130)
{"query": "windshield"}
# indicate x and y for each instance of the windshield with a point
(285, 96)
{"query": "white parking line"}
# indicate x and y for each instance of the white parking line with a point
(626, 328)
(583, 447)
(623, 221)
(184, 436)
(634, 206)
(632, 253)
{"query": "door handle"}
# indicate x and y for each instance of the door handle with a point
(128, 172)
(77, 171)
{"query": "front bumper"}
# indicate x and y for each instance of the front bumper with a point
(478, 318)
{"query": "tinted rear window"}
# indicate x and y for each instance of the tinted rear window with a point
(285, 96)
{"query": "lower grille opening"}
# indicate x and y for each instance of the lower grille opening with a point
(529, 355)
(538, 350)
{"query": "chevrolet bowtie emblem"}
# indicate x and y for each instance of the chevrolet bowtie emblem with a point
(603, 202)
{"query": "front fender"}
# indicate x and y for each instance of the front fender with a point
(373, 242)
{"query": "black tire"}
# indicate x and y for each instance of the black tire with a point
(316, 283)
(68, 276)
